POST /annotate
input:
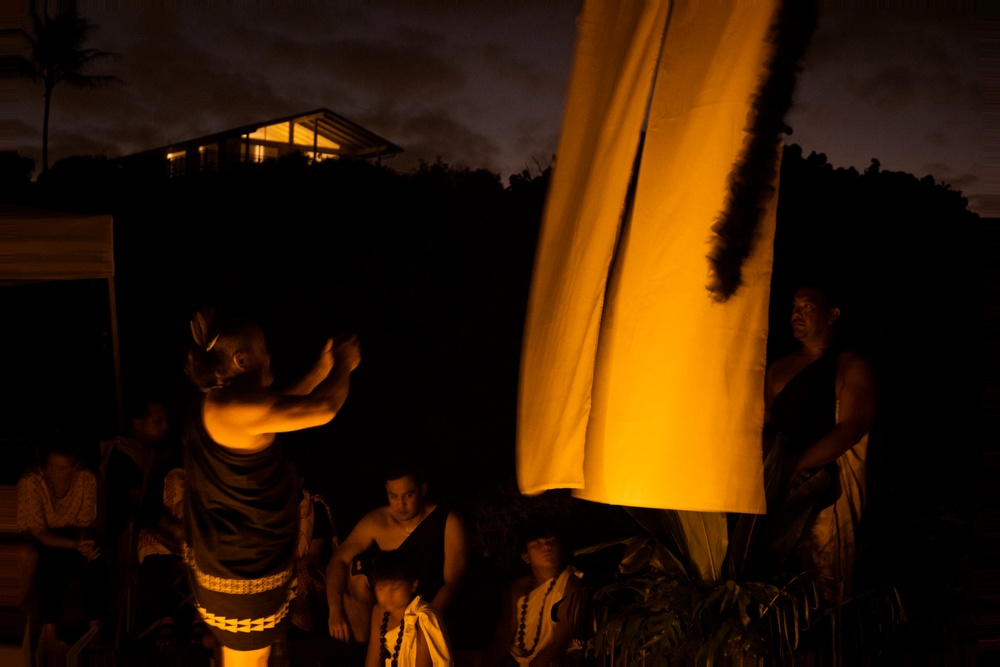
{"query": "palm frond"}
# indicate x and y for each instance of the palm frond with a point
(653, 613)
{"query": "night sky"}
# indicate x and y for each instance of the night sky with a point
(482, 84)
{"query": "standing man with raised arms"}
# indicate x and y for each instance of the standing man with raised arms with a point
(241, 503)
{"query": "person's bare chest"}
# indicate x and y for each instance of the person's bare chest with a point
(790, 367)
(391, 533)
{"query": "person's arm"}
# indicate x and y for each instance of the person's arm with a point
(320, 370)
(312, 554)
(372, 657)
(58, 540)
(562, 632)
(245, 419)
(171, 531)
(31, 517)
(768, 392)
(856, 412)
(339, 569)
(503, 634)
(423, 656)
(87, 547)
(767, 442)
(456, 562)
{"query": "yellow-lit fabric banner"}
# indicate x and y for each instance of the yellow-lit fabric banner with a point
(637, 387)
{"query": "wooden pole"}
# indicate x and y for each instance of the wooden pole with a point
(119, 393)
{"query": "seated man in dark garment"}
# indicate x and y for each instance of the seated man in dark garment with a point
(431, 535)
(819, 407)
(127, 464)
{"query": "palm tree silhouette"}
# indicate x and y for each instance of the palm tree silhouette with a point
(58, 56)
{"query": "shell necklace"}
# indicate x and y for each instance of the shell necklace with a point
(383, 650)
(521, 648)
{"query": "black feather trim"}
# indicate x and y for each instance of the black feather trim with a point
(752, 178)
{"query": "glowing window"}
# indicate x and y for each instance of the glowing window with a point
(208, 157)
(277, 132)
(302, 134)
(175, 163)
(258, 153)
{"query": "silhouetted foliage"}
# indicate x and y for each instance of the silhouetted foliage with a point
(57, 56)
(905, 252)
(80, 182)
(15, 176)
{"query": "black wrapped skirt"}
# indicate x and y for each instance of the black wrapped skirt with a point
(243, 614)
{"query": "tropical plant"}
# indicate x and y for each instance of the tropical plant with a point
(656, 613)
(58, 56)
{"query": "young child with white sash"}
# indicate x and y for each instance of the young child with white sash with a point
(406, 631)
(528, 632)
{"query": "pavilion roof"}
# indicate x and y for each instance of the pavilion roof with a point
(353, 139)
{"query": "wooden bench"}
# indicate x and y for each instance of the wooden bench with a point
(18, 559)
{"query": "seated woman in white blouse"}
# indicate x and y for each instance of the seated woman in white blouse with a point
(57, 507)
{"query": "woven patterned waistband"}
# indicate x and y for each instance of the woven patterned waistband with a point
(235, 586)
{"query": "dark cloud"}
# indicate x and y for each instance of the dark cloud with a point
(898, 85)
(455, 82)
(509, 66)
(536, 142)
(83, 143)
(894, 58)
(483, 83)
(9, 129)
(363, 56)
(437, 134)
(175, 89)
(887, 90)
(379, 69)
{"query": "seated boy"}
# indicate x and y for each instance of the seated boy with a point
(406, 631)
(526, 633)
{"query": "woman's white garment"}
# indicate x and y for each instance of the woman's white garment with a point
(829, 546)
(422, 615)
(152, 542)
(536, 597)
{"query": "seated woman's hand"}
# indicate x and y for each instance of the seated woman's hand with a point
(88, 549)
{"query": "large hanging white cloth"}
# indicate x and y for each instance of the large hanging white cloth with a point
(637, 387)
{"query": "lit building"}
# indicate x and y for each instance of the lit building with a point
(318, 135)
